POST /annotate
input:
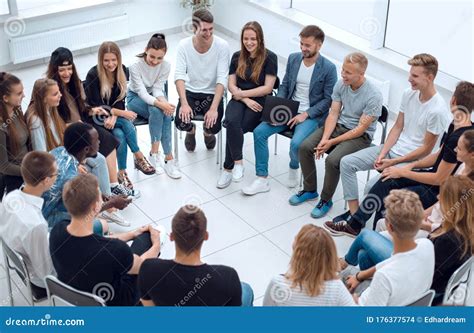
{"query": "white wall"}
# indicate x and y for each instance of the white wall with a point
(145, 16)
(281, 36)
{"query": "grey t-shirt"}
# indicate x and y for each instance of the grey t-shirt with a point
(365, 100)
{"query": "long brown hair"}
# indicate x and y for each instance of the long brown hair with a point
(314, 260)
(43, 112)
(260, 54)
(107, 82)
(7, 81)
(456, 200)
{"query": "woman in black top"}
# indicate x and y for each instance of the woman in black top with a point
(73, 108)
(252, 75)
(14, 135)
(106, 88)
(454, 240)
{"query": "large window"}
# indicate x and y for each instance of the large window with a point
(31, 8)
(4, 7)
(441, 28)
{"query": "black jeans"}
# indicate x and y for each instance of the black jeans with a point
(373, 202)
(200, 104)
(239, 119)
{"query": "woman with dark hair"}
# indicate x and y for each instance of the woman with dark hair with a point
(146, 96)
(72, 108)
(14, 136)
(106, 88)
(252, 75)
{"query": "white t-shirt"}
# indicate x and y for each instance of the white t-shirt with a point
(280, 293)
(431, 116)
(202, 71)
(303, 81)
(25, 230)
(402, 278)
(148, 82)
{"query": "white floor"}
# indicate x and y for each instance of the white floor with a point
(251, 234)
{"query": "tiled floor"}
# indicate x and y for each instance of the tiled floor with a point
(251, 234)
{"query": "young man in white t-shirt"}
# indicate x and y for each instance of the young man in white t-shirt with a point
(402, 277)
(423, 116)
(202, 66)
(22, 225)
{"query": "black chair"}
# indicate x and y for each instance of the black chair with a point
(67, 295)
(139, 120)
(15, 262)
(425, 300)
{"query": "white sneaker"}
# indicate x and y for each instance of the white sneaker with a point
(115, 217)
(259, 185)
(238, 172)
(171, 169)
(293, 178)
(156, 159)
(224, 180)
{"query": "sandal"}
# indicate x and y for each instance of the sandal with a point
(124, 180)
(144, 166)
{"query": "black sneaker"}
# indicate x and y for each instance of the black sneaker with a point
(125, 191)
(209, 140)
(190, 140)
(340, 228)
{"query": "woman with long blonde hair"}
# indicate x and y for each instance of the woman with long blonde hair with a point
(106, 87)
(252, 75)
(45, 125)
(312, 279)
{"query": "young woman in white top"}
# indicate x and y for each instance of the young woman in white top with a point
(147, 97)
(45, 125)
(312, 278)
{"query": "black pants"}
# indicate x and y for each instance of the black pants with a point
(200, 104)
(373, 202)
(239, 119)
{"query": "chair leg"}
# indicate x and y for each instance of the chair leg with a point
(218, 147)
(176, 156)
(9, 282)
(345, 205)
(276, 143)
(301, 180)
(221, 159)
(368, 175)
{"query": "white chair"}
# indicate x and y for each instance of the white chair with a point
(69, 296)
(460, 276)
(14, 261)
(425, 300)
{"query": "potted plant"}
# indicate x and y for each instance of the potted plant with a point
(196, 4)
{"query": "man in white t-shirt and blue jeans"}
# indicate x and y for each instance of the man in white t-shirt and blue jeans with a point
(202, 66)
(423, 116)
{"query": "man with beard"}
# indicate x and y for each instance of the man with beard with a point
(309, 79)
(349, 127)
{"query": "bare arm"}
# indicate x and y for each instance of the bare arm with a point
(364, 123)
(331, 121)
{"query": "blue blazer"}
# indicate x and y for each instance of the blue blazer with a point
(322, 83)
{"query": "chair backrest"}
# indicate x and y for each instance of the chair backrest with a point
(384, 116)
(457, 278)
(14, 260)
(68, 295)
(425, 300)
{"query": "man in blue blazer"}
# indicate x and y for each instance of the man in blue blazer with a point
(309, 79)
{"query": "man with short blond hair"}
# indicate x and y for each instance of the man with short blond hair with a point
(350, 126)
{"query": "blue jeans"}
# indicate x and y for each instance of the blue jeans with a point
(159, 123)
(247, 294)
(368, 249)
(125, 132)
(265, 130)
(98, 167)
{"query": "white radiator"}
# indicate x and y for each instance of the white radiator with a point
(76, 37)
